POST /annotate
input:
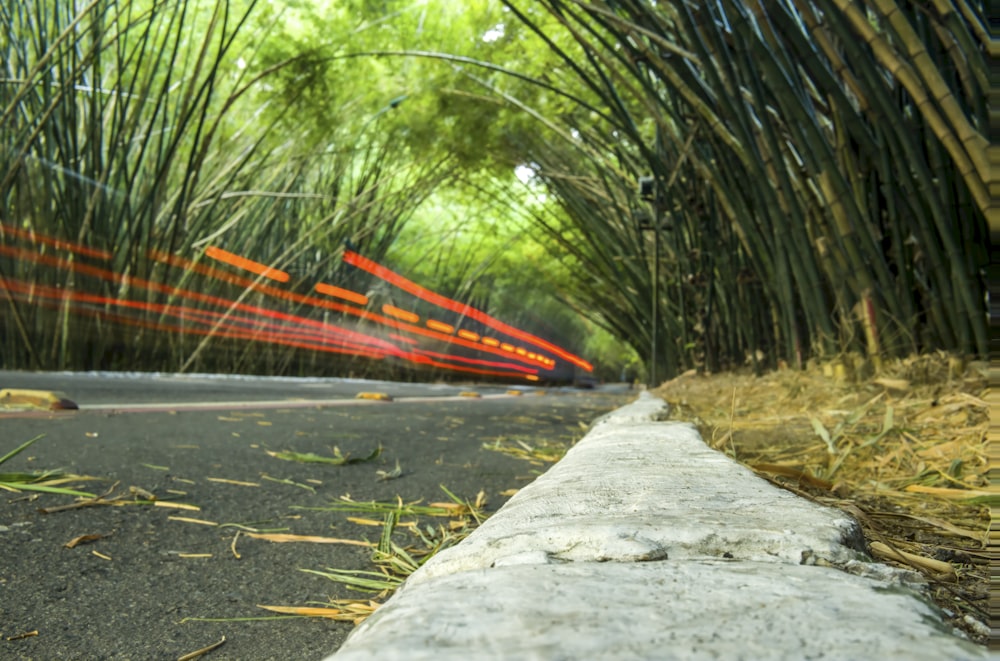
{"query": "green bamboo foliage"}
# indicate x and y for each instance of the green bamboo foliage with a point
(130, 127)
(821, 167)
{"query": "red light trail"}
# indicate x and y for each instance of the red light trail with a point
(379, 271)
(243, 321)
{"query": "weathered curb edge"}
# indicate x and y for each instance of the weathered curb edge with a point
(643, 543)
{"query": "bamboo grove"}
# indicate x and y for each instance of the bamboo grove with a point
(819, 168)
(816, 178)
(130, 128)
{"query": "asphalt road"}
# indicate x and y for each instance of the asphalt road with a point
(156, 585)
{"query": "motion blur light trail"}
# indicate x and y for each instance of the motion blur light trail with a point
(337, 292)
(379, 271)
(400, 319)
(254, 327)
(398, 313)
(269, 290)
(275, 334)
(246, 264)
(224, 317)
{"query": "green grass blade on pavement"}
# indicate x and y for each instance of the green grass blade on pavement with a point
(360, 580)
(20, 448)
(45, 481)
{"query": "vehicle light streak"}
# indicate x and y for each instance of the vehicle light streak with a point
(121, 280)
(379, 271)
(233, 259)
(243, 321)
(209, 271)
(439, 326)
(399, 313)
(345, 294)
(295, 339)
(356, 344)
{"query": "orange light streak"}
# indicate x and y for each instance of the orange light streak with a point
(489, 341)
(246, 264)
(441, 327)
(468, 335)
(345, 294)
(399, 313)
(184, 263)
(124, 281)
(425, 294)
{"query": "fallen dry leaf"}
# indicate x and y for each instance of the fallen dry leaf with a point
(82, 539)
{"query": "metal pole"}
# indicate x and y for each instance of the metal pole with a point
(657, 202)
(656, 294)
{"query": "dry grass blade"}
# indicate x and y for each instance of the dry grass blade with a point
(284, 538)
(797, 474)
(108, 499)
(238, 483)
(344, 610)
(82, 539)
(942, 569)
(458, 508)
(289, 482)
(954, 494)
(544, 452)
(394, 562)
(946, 527)
(204, 650)
(186, 519)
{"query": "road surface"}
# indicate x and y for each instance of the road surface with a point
(155, 581)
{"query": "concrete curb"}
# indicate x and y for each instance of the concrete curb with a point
(643, 543)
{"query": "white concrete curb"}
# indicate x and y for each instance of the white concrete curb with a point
(643, 543)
